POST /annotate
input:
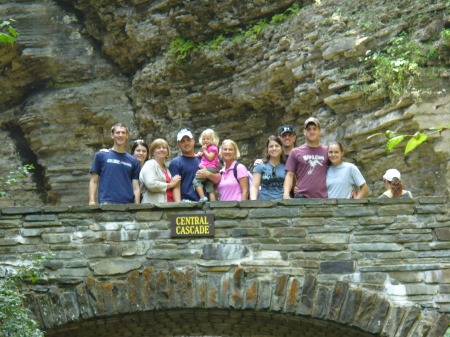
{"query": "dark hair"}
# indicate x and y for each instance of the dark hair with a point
(335, 142)
(396, 187)
(138, 142)
(278, 141)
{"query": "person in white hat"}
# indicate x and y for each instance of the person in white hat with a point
(394, 186)
(187, 167)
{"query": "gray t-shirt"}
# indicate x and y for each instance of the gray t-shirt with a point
(341, 179)
(271, 184)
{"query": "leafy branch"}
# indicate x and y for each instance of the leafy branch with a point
(12, 177)
(393, 138)
(14, 317)
(8, 38)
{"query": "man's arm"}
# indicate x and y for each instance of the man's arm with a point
(93, 187)
(136, 191)
(287, 186)
(257, 162)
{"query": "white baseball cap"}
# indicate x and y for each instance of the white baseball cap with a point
(391, 174)
(182, 133)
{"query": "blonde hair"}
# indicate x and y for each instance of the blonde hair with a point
(214, 137)
(229, 141)
(158, 143)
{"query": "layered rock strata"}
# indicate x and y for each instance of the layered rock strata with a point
(80, 66)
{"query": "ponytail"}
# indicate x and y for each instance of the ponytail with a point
(396, 187)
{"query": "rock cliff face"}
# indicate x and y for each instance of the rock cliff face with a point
(79, 66)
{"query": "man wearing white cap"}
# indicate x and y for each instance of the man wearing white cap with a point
(308, 163)
(186, 166)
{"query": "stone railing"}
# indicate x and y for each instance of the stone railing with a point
(395, 249)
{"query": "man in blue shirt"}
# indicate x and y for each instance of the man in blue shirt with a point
(115, 174)
(186, 166)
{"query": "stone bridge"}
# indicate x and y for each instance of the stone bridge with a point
(311, 267)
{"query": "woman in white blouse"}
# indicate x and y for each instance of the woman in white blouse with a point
(155, 179)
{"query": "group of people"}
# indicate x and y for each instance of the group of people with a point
(311, 170)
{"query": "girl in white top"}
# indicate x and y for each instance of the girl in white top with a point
(342, 177)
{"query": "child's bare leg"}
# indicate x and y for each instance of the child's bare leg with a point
(212, 196)
(200, 192)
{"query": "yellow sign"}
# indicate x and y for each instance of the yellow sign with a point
(185, 225)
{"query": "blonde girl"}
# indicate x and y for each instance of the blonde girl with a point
(209, 160)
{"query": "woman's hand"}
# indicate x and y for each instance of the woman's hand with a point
(174, 181)
(203, 173)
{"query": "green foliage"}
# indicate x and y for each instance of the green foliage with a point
(32, 269)
(447, 333)
(368, 25)
(328, 21)
(8, 38)
(181, 49)
(12, 177)
(392, 138)
(404, 60)
(14, 319)
(256, 29)
(213, 44)
(445, 37)
(288, 13)
(393, 73)
(396, 67)
(433, 53)
(237, 37)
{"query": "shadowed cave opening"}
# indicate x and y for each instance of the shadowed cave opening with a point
(206, 322)
(28, 157)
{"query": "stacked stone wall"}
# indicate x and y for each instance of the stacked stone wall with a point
(379, 266)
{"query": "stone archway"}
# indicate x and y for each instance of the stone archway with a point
(207, 322)
(184, 302)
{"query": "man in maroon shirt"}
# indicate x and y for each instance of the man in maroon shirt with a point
(308, 163)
